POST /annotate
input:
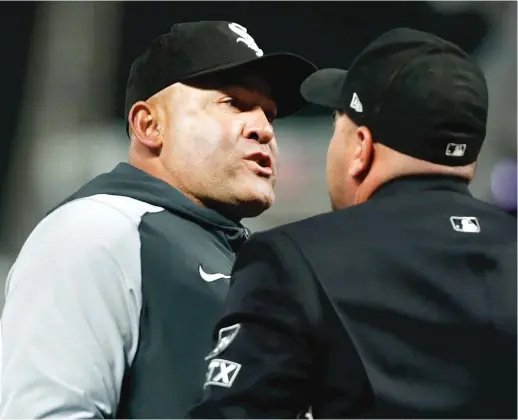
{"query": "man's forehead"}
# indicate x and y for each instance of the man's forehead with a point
(235, 79)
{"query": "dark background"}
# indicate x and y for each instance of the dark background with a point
(291, 26)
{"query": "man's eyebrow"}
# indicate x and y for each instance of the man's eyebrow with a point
(253, 87)
(245, 84)
(230, 82)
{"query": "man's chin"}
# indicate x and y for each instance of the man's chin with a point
(243, 206)
(255, 205)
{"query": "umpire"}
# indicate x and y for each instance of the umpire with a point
(401, 302)
(110, 303)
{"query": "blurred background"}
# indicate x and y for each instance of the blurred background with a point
(65, 70)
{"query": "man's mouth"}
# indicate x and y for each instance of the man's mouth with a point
(261, 162)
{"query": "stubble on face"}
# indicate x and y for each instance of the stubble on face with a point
(204, 147)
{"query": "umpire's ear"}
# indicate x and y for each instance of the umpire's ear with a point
(363, 153)
(143, 124)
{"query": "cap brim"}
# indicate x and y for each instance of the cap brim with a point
(324, 87)
(284, 73)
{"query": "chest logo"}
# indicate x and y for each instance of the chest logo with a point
(209, 277)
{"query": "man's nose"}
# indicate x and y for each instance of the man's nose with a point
(259, 130)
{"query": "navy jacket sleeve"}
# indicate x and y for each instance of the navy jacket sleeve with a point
(261, 364)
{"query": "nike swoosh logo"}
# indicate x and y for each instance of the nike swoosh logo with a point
(212, 277)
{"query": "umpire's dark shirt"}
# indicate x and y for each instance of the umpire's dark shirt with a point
(404, 306)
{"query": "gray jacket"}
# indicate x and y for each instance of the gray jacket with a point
(111, 303)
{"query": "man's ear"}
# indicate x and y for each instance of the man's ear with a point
(143, 122)
(363, 154)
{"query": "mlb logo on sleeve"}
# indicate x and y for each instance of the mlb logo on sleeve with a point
(465, 224)
(222, 373)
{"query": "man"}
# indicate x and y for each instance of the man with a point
(110, 304)
(401, 302)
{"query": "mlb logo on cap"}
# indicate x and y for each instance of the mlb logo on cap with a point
(455, 150)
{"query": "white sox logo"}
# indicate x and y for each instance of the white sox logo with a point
(243, 35)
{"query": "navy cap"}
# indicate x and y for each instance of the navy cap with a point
(417, 93)
(195, 49)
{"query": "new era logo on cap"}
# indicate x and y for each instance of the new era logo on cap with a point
(244, 37)
(356, 104)
(455, 150)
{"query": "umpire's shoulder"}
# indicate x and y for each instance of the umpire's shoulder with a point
(312, 228)
(288, 241)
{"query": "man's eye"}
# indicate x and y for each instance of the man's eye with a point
(232, 102)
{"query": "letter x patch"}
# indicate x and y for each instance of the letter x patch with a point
(221, 373)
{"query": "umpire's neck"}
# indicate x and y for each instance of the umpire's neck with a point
(387, 164)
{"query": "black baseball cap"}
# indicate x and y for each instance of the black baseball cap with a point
(195, 49)
(417, 93)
